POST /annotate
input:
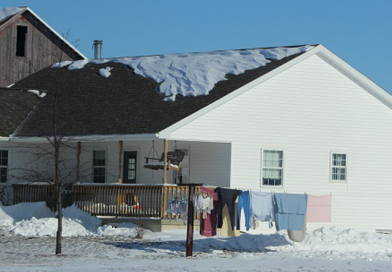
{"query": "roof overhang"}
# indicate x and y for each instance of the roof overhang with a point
(89, 138)
(4, 139)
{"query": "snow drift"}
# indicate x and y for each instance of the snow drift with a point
(37, 220)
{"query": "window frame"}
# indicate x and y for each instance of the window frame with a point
(331, 166)
(262, 167)
(99, 166)
(6, 167)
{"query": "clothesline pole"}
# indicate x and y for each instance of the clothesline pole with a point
(190, 220)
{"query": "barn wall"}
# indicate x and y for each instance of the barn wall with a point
(309, 111)
(41, 49)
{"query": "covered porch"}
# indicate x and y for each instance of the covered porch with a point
(113, 180)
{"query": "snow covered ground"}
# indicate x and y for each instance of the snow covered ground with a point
(89, 247)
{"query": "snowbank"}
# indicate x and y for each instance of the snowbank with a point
(36, 220)
(194, 74)
(23, 211)
(338, 243)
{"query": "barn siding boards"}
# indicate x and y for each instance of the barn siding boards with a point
(43, 48)
(309, 111)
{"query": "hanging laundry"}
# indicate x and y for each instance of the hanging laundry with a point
(319, 208)
(227, 197)
(208, 225)
(261, 207)
(244, 203)
(290, 210)
(203, 203)
(177, 206)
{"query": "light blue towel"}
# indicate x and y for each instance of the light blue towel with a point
(290, 210)
(261, 207)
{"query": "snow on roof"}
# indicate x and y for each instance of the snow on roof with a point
(7, 12)
(105, 72)
(37, 93)
(194, 74)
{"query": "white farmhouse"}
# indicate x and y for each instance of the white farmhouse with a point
(287, 119)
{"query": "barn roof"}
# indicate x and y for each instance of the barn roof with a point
(122, 104)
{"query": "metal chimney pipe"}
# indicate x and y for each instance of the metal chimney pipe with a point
(97, 49)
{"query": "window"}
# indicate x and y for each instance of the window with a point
(339, 167)
(3, 165)
(99, 166)
(272, 167)
(21, 34)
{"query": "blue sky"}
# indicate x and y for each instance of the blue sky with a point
(359, 31)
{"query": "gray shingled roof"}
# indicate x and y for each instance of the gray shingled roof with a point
(124, 103)
(15, 105)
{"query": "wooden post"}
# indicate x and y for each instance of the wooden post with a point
(120, 152)
(79, 149)
(165, 149)
(190, 221)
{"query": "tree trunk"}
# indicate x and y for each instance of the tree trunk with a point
(58, 187)
(60, 222)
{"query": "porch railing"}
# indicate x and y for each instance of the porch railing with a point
(126, 200)
(122, 200)
(34, 193)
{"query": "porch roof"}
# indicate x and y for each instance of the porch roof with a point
(123, 104)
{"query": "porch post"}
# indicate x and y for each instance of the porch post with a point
(79, 148)
(120, 151)
(165, 149)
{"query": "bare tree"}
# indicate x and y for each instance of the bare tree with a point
(52, 152)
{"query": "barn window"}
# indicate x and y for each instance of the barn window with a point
(99, 166)
(3, 165)
(21, 34)
(272, 167)
(338, 167)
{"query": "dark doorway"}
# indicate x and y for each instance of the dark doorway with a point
(129, 173)
(21, 33)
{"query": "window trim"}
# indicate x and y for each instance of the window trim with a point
(105, 167)
(8, 165)
(331, 166)
(262, 167)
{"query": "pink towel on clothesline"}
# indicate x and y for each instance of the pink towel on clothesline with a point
(319, 208)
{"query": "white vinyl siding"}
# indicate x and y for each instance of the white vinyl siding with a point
(310, 110)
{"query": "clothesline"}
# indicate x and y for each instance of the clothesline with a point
(264, 191)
